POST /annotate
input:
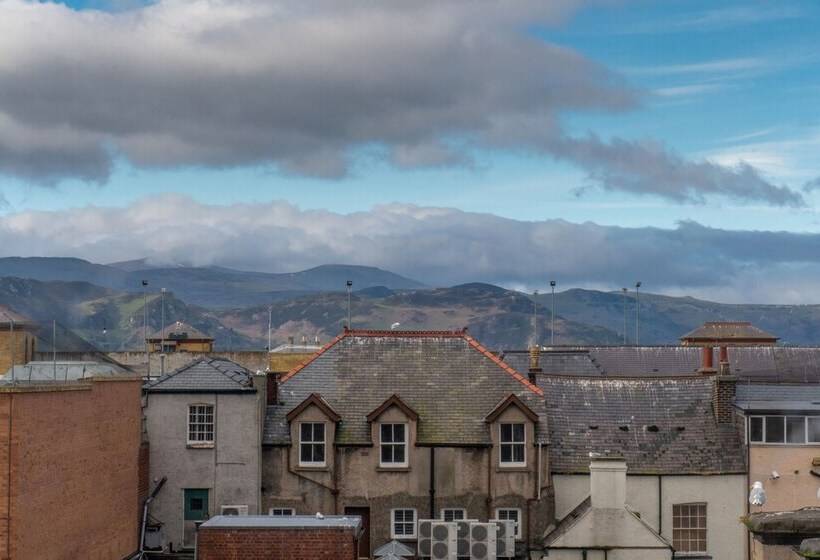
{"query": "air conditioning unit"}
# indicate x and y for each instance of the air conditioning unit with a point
(504, 538)
(463, 537)
(443, 540)
(424, 533)
(234, 510)
(483, 543)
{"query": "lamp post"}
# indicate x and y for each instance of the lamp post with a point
(535, 318)
(552, 322)
(625, 292)
(162, 333)
(270, 312)
(637, 310)
(349, 289)
(145, 324)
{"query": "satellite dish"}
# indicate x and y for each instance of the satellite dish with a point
(757, 497)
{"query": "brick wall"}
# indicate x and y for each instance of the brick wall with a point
(275, 544)
(723, 395)
(70, 455)
(23, 343)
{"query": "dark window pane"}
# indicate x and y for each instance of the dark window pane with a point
(518, 453)
(318, 432)
(318, 453)
(398, 433)
(398, 454)
(756, 428)
(506, 432)
(304, 454)
(774, 429)
(387, 433)
(518, 432)
(795, 429)
(814, 429)
(506, 453)
(307, 432)
(387, 454)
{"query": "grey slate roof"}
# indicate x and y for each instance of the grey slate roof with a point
(784, 364)
(205, 375)
(446, 377)
(767, 397)
(727, 331)
(587, 415)
(62, 371)
(554, 362)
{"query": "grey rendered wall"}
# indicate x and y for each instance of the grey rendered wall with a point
(230, 470)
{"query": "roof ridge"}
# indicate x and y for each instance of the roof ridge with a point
(407, 333)
(502, 364)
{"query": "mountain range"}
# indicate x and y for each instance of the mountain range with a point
(104, 306)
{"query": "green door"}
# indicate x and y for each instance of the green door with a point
(196, 504)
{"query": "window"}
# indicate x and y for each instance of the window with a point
(200, 424)
(792, 430)
(403, 524)
(281, 512)
(453, 514)
(312, 444)
(689, 527)
(393, 445)
(512, 442)
(510, 514)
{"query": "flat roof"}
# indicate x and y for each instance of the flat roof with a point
(283, 522)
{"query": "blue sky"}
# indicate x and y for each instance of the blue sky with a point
(716, 79)
(696, 87)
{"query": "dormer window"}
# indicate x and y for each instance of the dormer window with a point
(312, 444)
(512, 443)
(393, 445)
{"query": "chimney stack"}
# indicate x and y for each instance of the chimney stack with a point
(607, 482)
(723, 390)
(535, 365)
(707, 366)
(272, 391)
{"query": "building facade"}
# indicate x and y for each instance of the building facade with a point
(69, 454)
(203, 424)
(180, 337)
(18, 339)
(400, 426)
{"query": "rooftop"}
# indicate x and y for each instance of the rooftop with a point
(179, 331)
(62, 371)
(730, 332)
(763, 397)
(660, 426)
(9, 316)
(450, 380)
(283, 522)
(205, 375)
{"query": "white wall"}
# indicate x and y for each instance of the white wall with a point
(611, 555)
(725, 496)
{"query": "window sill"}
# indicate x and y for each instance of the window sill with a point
(314, 468)
(200, 445)
(399, 468)
(513, 468)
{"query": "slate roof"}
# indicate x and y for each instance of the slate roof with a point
(727, 331)
(781, 364)
(759, 397)
(621, 415)
(205, 375)
(448, 378)
(554, 362)
(62, 371)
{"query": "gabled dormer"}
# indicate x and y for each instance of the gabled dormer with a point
(512, 430)
(393, 429)
(313, 432)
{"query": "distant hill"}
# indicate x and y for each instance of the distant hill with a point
(212, 287)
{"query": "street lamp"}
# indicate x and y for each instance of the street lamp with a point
(270, 312)
(552, 323)
(145, 324)
(637, 310)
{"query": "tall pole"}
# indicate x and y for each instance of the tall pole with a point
(625, 292)
(535, 318)
(11, 337)
(145, 322)
(162, 333)
(349, 289)
(54, 346)
(270, 312)
(552, 323)
(637, 310)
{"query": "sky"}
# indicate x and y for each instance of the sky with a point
(595, 143)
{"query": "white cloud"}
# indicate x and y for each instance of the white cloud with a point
(439, 246)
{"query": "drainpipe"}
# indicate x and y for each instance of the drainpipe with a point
(432, 482)
(336, 456)
(490, 484)
(660, 504)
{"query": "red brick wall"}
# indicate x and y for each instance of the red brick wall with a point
(143, 473)
(73, 468)
(275, 544)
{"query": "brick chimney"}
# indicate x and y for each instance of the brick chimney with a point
(272, 393)
(707, 366)
(535, 365)
(607, 482)
(723, 390)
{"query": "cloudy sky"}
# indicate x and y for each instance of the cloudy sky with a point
(597, 143)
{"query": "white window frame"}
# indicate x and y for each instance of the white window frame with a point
(281, 511)
(518, 532)
(462, 511)
(323, 442)
(502, 443)
(201, 426)
(783, 417)
(414, 524)
(406, 461)
(705, 528)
